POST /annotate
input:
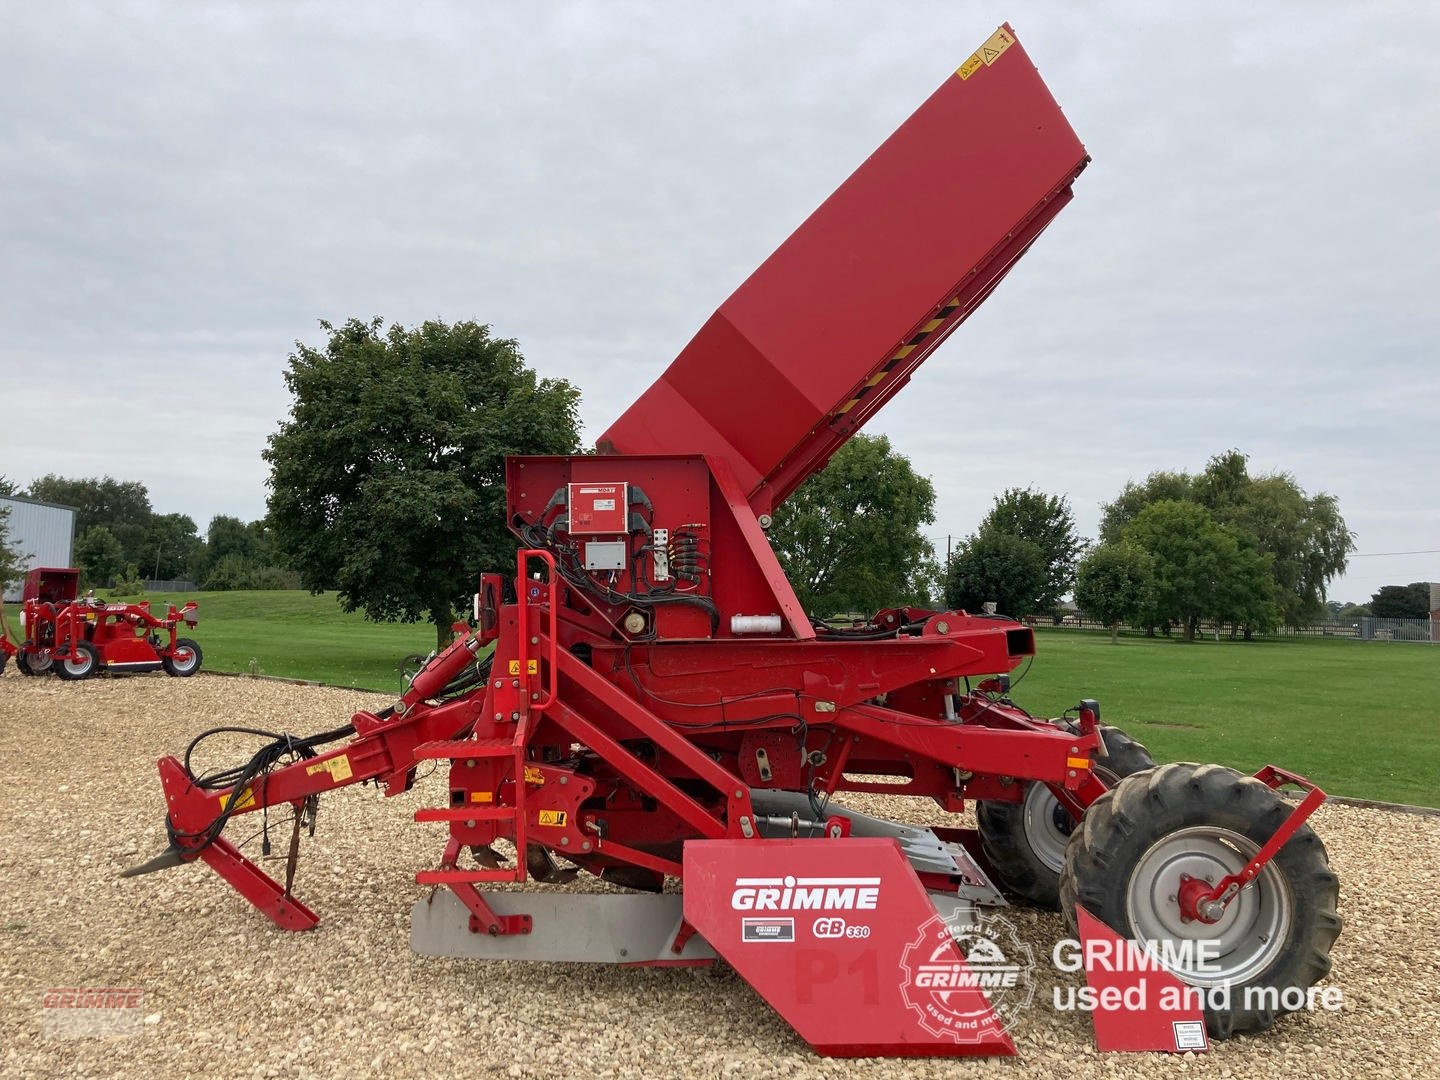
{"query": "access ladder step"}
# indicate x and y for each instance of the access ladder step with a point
(465, 813)
(459, 749)
(463, 877)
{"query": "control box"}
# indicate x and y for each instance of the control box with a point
(599, 509)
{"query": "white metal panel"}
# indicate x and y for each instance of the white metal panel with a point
(43, 533)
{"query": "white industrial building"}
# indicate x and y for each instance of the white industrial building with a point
(43, 533)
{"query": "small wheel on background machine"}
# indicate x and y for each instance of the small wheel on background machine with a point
(184, 661)
(82, 665)
(1025, 841)
(1144, 838)
(32, 663)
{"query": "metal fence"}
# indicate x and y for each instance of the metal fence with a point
(170, 586)
(1370, 629)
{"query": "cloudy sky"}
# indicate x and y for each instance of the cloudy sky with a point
(1252, 260)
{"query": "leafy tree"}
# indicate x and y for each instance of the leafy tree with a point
(1045, 521)
(229, 536)
(171, 546)
(387, 481)
(8, 487)
(99, 555)
(849, 538)
(997, 567)
(262, 543)
(1115, 583)
(128, 584)
(1159, 486)
(12, 560)
(123, 507)
(235, 571)
(1304, 536)
(240, 556)
(1202, 570)
(1402, 601)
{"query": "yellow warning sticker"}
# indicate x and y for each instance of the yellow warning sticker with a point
(532, 667)
(247, 800)
(338, 768)
(534, 775)
(554, 818)
(995, 45)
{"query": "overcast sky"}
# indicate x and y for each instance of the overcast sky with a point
(1252, 260)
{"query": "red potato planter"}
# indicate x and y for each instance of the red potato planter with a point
(75, 638)
(658, 705)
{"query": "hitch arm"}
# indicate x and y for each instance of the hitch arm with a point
(1202, 902)
(382, 749)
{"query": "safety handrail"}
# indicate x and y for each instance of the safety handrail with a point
(549, 638)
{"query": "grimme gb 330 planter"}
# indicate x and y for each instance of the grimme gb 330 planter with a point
(658, 706)
(76, 637)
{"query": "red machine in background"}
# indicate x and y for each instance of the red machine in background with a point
(657, 704)
(77, 636)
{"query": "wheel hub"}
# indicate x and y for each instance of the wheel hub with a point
(1169, 899)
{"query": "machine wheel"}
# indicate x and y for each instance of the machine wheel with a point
(1207, 821)
(32, 665)
(82, 665)
(184, 661)
(1025, 841)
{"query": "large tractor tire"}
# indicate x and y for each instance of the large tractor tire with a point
(1025, 841)
(184, 661)
(29, 664)
(82, 665)
(1206, 821)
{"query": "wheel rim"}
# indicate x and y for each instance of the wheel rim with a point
(1047, 826)
(80, 666)
(1246, 938)
(183, 659)
(40, 662)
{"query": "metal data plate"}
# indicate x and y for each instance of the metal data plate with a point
(605, 555)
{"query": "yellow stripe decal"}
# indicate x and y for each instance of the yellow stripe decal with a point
(900, 354)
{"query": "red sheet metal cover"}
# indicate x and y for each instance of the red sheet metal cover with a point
(928, 213)
(840, 938)
(1139, 1006)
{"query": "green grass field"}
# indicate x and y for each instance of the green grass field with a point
(1360, 718)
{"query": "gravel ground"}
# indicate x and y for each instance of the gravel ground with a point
(228, 995)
